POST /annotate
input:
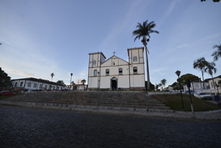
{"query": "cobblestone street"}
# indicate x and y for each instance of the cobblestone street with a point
(38, 128)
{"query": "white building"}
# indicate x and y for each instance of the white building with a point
(213, 83)
(36, 84)
(197, 87)
(116, 73)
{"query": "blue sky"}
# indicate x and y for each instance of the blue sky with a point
(43, 36)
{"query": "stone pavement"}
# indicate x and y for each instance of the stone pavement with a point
(22, 127)
(208, 115)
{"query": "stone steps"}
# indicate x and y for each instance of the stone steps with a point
(108, 99)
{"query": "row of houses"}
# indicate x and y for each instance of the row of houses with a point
(41, 84)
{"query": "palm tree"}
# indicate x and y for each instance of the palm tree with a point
(144, 30)
(217, 54)
(210, 69)
(83, 81)
(163, 82)
(201, 65)
(52, 75)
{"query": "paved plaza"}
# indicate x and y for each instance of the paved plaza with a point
(30, 128)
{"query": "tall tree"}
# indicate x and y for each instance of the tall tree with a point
(52, 75)
(143, 31)
(200, 64)
(210, 69)
(163, 82)
(5, 80)
(217, 54)
(61, 82)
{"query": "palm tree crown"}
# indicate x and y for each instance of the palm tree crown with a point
(83, 81)
(210, 68)
(52, 75)
(144, 30)
(217, 54)
(201, 64)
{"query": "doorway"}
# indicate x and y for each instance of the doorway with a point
(114, 83)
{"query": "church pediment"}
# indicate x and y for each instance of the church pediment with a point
(114, 60)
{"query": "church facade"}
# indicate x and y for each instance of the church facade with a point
(116, 73)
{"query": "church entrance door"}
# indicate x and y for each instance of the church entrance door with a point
(114, 83)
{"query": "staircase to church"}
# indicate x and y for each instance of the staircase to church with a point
(132, 100)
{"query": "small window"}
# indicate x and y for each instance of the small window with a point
(120, 71)
(113, 63)
(107, 72)
(95, 72)
(135, 70)
(16, 84)
(135, 59)
(21, 84)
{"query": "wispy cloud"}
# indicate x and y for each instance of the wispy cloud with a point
(169, 10)
(125, 23)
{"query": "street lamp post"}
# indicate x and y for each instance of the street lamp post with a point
(178, 74)
(71, 80)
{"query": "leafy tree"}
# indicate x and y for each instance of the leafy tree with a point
(5, 80)
(83, 81)
(72, 83)
(61, 82)
(201, 65)
(217, 54)
(52, 75)
(144, 30)
(175, 86)
(186, 77)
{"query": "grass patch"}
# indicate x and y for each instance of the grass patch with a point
(174, 102)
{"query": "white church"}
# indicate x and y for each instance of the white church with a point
(116, 73)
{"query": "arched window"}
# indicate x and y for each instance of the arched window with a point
(35, 85)
(16, 84)
(135, 59)
(135, 70)
(107, 72)
(120, 71)
(95, 72)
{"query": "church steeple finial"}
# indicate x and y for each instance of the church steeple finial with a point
(114, 52)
